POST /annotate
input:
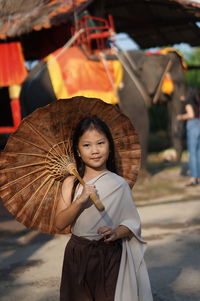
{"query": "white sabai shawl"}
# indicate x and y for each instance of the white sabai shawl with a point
(114, 192)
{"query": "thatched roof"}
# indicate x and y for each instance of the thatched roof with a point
(18, 16)
(149, 22)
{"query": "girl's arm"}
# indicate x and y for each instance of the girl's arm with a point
(110, 234)
(188, 115)
(67, 210)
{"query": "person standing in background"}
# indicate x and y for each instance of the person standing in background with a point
(192, 117)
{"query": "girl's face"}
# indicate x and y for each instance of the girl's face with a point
(93, 148)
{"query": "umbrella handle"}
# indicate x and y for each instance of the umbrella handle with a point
(94, 197)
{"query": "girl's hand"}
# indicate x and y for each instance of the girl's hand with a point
(108, 233)
(85, 194)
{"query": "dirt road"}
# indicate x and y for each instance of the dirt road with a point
(30, 262)
(172, 229)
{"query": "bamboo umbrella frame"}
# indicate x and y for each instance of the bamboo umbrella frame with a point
(38, 157)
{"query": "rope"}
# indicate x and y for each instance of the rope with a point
(105, 64)
(130, 60)
(66, 46)
(157, 94)
(69, 43)
(133, 77)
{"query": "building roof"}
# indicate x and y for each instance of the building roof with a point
(149, 22)
(18, 16)
(154, 22)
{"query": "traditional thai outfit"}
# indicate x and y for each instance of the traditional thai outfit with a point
(130, 277)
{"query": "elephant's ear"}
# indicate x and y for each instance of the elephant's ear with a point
(152, 70)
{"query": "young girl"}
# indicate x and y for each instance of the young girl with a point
(103, 259)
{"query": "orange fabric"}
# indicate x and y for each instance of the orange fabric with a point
(166, 50)
(12, 67)
(72, 73)
(170, 49)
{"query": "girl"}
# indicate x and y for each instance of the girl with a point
(103, 259)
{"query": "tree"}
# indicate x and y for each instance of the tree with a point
(192, 75)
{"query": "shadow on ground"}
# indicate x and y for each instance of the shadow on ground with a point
(17, 245)
(174, 269)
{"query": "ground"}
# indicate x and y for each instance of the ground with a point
(169, 212)
(31, 262)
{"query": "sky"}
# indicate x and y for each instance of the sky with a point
(197, 1)
(125, 42)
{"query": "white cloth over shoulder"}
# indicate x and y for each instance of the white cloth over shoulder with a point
(115, 194)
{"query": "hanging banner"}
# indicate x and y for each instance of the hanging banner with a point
(12, 66)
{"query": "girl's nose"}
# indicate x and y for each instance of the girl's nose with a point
(95, 149)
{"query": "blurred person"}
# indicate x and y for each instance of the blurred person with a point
(192, 118)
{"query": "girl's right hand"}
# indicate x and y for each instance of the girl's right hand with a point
(85, 194)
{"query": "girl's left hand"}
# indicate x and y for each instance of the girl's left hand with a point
(108, 233)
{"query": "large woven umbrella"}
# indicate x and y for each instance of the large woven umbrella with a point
(36, 158)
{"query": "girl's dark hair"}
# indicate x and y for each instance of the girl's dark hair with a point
(92, 122)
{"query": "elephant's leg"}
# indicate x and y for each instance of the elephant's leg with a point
(136, 110)
(177, 141)
(143, 131)
(176, 130)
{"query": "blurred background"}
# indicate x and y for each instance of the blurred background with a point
(142, 56)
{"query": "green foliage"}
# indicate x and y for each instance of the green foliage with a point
(192, 77)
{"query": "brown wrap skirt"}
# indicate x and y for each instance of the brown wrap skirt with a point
(90, 270)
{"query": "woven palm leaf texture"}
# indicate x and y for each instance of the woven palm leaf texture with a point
(36, 157)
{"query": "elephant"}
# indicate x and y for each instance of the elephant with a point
(142, 76)
(149, 70)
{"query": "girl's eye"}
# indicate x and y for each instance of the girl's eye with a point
(86, 145)
(101, 142)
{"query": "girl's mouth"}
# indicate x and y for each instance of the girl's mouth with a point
(96, 159)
